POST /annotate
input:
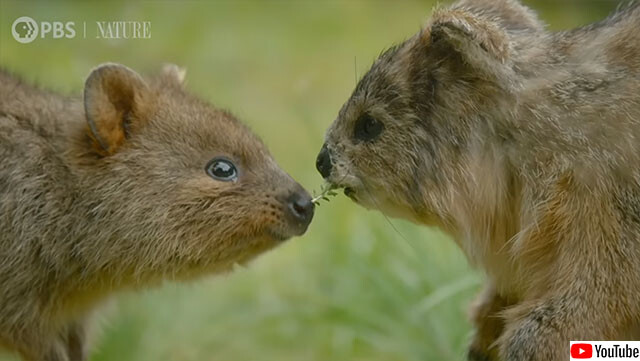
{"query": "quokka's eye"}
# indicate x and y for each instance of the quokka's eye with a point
(222, 170)
(367, 128)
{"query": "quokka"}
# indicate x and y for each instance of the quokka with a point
(134, 183)
(522, 144)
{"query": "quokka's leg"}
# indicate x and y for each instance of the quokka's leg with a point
(541, 330)
(488, 323)
(76, 342)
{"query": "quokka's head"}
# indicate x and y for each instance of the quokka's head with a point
(178, 179)
(402, 142)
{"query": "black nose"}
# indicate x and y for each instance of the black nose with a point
(301, 208)
(323, 162)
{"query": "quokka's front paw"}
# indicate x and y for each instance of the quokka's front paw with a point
(477, 354)
(535, 337)
(489, 324)
(483, 347)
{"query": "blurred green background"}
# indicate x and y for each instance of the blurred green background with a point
(357, 286)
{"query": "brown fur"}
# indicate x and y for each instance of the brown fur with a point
(523, 144)
(111, 193)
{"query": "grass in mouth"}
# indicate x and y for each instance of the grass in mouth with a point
(326, 190)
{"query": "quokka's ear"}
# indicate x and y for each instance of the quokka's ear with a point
(174, 73)
(117, 102)
(482, 43)
(510, 14)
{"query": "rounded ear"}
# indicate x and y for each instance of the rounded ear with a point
(174, 73)
(510, 14)
(481, 42)
(116, 102)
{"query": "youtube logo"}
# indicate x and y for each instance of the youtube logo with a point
(605, 350)
(581, 350)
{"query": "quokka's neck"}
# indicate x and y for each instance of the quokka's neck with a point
(484, 205)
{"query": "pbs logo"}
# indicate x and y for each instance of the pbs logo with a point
(26, 30)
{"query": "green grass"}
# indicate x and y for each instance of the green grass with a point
(353, 288)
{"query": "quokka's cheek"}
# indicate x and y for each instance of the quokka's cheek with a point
(380, 200)
(366, 198)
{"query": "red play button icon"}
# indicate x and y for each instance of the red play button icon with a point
(581, 350)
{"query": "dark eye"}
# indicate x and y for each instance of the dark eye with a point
(367, 128)
(222, 169)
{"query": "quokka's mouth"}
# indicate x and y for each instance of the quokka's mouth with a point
(350, 185)
(349, 192)
(279, 235)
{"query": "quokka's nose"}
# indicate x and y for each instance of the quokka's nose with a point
(300, 208)
(323, 162)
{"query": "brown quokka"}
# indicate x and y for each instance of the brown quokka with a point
(524, 145)
(138, 183)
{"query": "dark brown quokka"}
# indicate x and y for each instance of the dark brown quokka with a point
(523, 145)
(138, 183)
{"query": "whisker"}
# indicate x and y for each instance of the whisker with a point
(389, 220)
(355, 70)
(326, 190)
